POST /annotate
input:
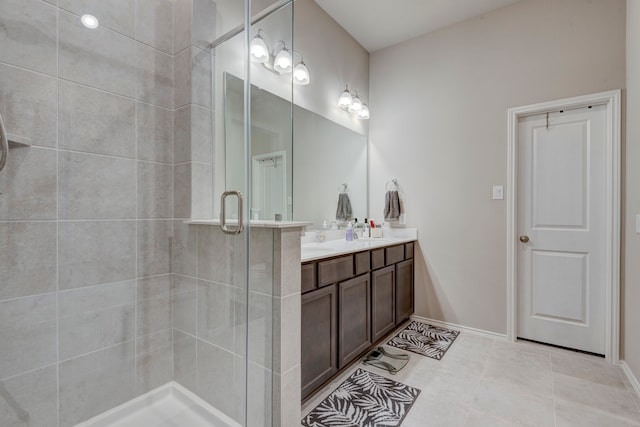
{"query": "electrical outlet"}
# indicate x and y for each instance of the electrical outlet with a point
(498, 192)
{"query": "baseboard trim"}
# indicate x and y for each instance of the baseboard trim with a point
(467, 329)
(630, 376)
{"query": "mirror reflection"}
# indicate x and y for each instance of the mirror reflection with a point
(301, 173)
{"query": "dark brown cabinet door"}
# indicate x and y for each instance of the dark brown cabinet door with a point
(319, 338)
(382, 301)
(404, 290)
(354, 326)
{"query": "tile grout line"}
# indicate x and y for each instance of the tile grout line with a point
(57, 216)
(197, 310)
(95, 88)
(137, 243)
(173, 184)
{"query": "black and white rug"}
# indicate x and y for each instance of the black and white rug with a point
(364, 399)
(427, 340)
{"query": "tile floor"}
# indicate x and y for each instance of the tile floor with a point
(486, 382)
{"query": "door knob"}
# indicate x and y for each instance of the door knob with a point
(524, 239)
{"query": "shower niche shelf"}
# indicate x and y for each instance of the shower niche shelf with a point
(16, 141)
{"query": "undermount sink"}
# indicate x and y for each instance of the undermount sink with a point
(318, 249)
(341, 245)
(320, 246)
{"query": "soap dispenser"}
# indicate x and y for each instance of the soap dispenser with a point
(349, 233)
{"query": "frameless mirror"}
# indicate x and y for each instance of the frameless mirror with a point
(297, 173)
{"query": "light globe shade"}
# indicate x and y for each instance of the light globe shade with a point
(364, 112)
(345, 99)
(259, 50)
(356, 105)
(89, 21)
(283, 63)
(301, 74)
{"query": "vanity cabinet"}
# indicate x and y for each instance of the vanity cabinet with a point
(354, 314)
(404, 290)
(319, 337)
(349, 304)
(383, 309)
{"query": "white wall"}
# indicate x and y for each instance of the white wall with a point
(440, 128)
(334, 59)
(631, 347)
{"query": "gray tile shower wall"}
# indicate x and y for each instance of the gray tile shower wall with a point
(88, 298)
(209, 312)
(193, 102)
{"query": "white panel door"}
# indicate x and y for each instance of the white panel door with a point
(562, 228)
(269, 172)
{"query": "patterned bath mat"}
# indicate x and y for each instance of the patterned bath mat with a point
(364, 399)
(427, 340)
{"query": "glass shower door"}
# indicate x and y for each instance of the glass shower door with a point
(246, 129)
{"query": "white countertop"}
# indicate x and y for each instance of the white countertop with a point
(312, 251)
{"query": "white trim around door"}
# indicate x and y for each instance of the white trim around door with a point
(612, 99)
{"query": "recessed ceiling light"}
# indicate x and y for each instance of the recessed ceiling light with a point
(89, 21)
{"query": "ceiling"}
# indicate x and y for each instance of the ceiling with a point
(376, 24)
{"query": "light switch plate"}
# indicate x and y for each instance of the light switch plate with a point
(498, 192)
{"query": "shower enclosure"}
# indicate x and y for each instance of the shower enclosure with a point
(121, 301)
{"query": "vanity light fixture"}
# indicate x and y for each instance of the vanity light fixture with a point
(345, 99)
(280, 60)
(350, 101)
(356, 104)
(301, 74)
(259, 49)
(364, 112)
(283, 63)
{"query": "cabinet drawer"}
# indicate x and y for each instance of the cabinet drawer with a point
(394, 254)
(408, 250)
(377, 259)
(308, 277)
(335, 270)
(363, 262)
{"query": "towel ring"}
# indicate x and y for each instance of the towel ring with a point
(395, 187)
(344, 188)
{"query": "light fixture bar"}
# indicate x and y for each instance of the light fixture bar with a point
(280, 60)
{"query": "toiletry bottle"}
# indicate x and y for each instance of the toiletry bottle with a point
(321, 235)
(357, 229)
(349, 233)
(366, 231)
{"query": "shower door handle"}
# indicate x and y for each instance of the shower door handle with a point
(223, 213)
(4, 145)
